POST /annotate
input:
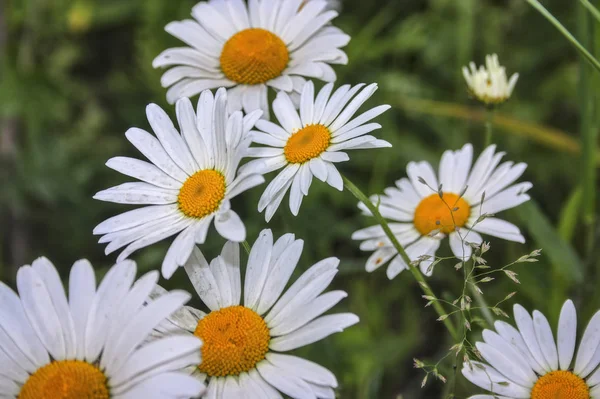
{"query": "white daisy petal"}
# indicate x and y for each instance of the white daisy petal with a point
(287, 383)
(41, 312)
(313, 331)
(194, 176)
(295, 319)
(588, 345)
(202, 279)
(92, 335)
(305, 369)
(143, 171)
(499, 228)
(544, 336)
(256, 272)
(17, 337)
(504, 365)
(514, 338)
(567, 334)
(488, 378)
(279, 274)
(527, 330)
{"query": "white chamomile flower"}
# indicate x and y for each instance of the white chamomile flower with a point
(526, 362)
(249, 47)
(312, 142)
(457, 203)
(91, 344)
(489, 83)
(246, 334)
(189, 183)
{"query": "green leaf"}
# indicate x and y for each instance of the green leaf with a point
(564, 259)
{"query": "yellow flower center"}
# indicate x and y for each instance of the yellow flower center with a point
(443, 214)
(254, 56)
(66, 379)
(307, 143)
(202, 193)
(560, 385)
(235, 340)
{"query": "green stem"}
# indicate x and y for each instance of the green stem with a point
(479, 299)
(588, 132)
(413, 269)
(246, 247)
(593, 10)
(489, 126)
(542, 10)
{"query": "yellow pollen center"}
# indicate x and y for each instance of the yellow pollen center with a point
(235, 340)
(202, 193)
(65, 379)
(254, 56)
(443, 214)
(560, 385)
(307, 143)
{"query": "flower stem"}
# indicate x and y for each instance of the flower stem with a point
(413, 269)
(479, 299)
(489, 126)
(246, 247)
(542, 10)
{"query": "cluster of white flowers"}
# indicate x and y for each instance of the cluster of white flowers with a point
(130, 338)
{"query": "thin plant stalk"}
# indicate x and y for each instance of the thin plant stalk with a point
(593, 10)
(542, 10)
(489, 126)
(479, 299)
(413, 269)
(246, 247)
(588, 132)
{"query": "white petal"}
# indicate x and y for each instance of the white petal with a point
(257, 269)
(313, 331)
(41, 312)
(143, 171)
(526, 328)
(203, 280)
(230, 226)
(305, 369)
(287, 383)
(588, 345)
(279, 274)
(544, 336)
(154, 151)
(135, 218)
(567, 334)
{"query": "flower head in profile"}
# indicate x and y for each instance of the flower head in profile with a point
(247, 331)
(250, 47)
(527, 362)
(489, 83)
(91, 345)
(188, 184)
(456, 203)
(312, 142)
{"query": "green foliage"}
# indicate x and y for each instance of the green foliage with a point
(76, 74)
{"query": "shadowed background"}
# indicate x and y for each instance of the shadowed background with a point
(76, 74)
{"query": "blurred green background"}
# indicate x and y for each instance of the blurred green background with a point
(76, 74)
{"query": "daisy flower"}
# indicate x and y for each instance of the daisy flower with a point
(91, 345)
(312, 142)
(249, 47)
(188, 184)
(526, 362)
(246, 335)
(458, 203)
(489, 84)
